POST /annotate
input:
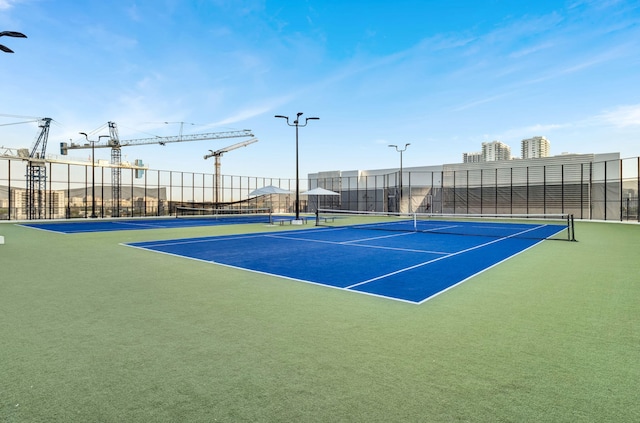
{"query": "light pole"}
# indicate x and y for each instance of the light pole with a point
(93, 171)
(400, 176)
(296, 123)
(10, 34)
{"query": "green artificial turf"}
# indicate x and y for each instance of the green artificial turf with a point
(93, 331)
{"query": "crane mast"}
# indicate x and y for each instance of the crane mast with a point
(216, 157)
(37, 173)
(116, 171)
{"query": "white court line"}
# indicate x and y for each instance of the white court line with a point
(441, 258)
(352, 243)
(43, 229)
(192, 241)
(346, 288)
(146, 225)
(275, 275)
(378, 237)
(439, 228)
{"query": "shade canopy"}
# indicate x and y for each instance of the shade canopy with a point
(270, 189)
(319, 191)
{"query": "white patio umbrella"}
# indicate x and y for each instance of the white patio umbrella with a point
(319, 192)
(270, 189)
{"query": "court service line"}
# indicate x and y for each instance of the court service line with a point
(439, 228)
(351, 244)
(145, 225)
(415, 266)
(377, 237)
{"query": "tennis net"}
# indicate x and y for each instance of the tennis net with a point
(245, 215)
(531, 226)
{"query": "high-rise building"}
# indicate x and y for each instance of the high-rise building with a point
(475, 157)
(534, 148)
(495, 151)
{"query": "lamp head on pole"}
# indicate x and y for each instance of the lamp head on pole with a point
(14, 34)
(399, 150)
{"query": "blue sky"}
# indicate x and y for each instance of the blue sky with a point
(444, 76)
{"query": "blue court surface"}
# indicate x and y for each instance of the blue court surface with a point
(405, 266)
(85, 226)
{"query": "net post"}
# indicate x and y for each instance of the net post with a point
(573, 229)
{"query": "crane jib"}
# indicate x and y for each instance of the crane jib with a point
(114, 142)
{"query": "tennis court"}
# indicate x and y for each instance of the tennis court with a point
(185, 218)
(396, 262)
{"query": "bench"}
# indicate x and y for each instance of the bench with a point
(326, 219)
(282, 221)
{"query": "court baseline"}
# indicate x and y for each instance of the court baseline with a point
(411, 267)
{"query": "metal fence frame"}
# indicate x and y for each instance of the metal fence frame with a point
(606, 190)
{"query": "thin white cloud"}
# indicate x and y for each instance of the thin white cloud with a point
(545, 128)
(626, 116)
(251, 112)
(361, 66)
(614, 54)
(622, 116)
(7, 4)
(481, 101)
(132, 12)
(513, 136)
(596, 4)
(242, 115)
(531, 50)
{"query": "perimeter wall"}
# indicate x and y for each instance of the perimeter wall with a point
(592, 187)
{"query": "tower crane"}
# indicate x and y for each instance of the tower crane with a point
(22, 153)
(216, 156)
(36, 169)
(116, 144)
(37, 172)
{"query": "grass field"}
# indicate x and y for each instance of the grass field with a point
(92, 331)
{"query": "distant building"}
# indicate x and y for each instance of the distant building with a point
(495, 151)
(52, 203)
(475, 157)
(535, 148)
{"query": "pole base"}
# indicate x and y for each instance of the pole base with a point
(297, 222)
